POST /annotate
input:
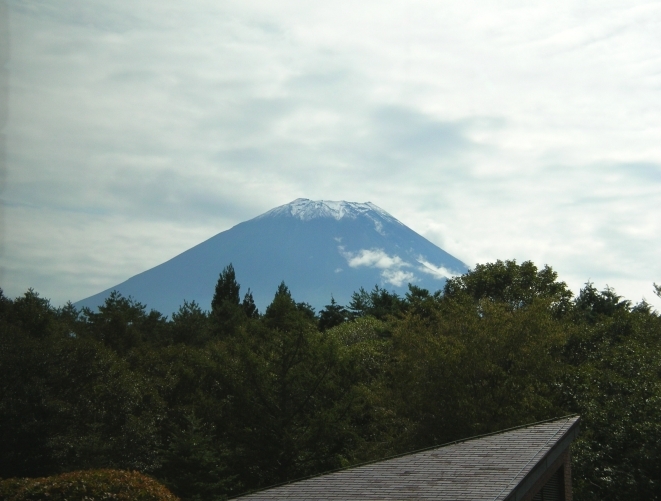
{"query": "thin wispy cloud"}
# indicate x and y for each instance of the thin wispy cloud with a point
(439, 272)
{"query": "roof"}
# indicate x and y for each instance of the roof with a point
(494, 467)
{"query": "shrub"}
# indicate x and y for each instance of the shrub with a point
(90, 485)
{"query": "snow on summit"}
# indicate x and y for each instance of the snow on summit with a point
(306, 209)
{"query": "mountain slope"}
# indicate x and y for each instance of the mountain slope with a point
(318, 248)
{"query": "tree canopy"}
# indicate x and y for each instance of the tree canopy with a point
(214, 403)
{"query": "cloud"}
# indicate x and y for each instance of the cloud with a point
(391, 266)
(439, 272)
(374, 258)
(398, 277)
(499, 132)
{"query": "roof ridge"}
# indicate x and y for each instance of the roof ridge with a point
(416, 451)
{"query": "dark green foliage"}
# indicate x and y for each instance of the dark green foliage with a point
(85, 486)
(283, 313)
(593, 305)
(249, 307)
(227, 311)
(190, 325)
(365, 354)
(32, 314)
(24, 419)
(227, 289)
(378, 303)
(307, 310)
(510, 283)
(471, 369)
(288, 399)
(421, 302)
(122, 324)
(614, 382)
(216, 403)
(72, 403)
(333, 314)
(192, 462)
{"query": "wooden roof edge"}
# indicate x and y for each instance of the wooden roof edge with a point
(424, 449)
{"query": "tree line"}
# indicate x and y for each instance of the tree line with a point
(216, 403)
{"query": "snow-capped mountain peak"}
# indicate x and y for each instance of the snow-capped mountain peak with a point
(321, 249)
(306, 209)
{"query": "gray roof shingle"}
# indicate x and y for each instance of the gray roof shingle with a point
(488, 468)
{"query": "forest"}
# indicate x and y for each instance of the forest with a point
(213, 404)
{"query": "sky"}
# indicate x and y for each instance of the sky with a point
(134, 130)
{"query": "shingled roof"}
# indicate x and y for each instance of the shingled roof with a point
(516, 464)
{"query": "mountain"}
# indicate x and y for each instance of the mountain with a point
(318, 248)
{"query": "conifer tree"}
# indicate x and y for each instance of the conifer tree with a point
(227, 313)
(249, 307)
(333, 314)
(378, 303)
(190, 325)
(227, 288)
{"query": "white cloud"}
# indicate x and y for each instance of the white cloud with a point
(391, 266)
(518, 130)
(439, 272)
(373, 258)
(398, 277)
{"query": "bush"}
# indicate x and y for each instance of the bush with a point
(91, 485)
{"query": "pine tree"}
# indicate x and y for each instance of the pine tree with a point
(249, 307)
(333, 314)
(227, 312)
(227, 288)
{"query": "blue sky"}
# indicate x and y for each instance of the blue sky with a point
(498, 130)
